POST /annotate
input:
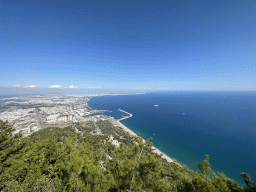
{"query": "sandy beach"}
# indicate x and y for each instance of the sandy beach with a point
(126, 129)
(155, 150)
(116, 122)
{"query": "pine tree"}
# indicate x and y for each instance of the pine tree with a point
(205, 167)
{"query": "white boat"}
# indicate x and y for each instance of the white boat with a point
(155, 105)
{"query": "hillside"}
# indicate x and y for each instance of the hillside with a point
(60, 159)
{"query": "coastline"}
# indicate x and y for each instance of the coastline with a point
(155, 150)
(116, 122)
(186, 152)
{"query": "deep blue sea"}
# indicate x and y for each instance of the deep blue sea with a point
(188, 125)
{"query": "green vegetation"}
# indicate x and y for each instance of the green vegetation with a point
(117, 132)
(88, 126)
(54, 133)
(55, 159)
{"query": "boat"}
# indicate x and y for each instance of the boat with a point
(155, 105)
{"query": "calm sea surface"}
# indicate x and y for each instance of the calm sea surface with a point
(188, 125)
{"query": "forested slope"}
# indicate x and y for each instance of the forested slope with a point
(55, 159)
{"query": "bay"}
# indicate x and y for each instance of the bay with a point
(188, 125)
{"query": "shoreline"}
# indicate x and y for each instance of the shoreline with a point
(155, 150)
(116, 122)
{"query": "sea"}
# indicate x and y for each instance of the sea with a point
(188, 125)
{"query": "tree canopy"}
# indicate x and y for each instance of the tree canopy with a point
(54, 159)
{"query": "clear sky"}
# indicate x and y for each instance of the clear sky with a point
(146, 44)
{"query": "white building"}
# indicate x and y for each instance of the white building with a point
(52, 117)
(35, 128)
(63, 118)
(70, 117)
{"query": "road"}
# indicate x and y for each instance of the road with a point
(97, 129)
(40, 124)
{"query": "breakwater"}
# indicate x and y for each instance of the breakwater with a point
(126, 117)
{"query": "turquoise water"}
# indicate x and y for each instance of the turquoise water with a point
(188, 125)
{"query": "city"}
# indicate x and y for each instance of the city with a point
(34, 112)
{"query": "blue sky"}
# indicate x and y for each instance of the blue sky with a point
(175, 45)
